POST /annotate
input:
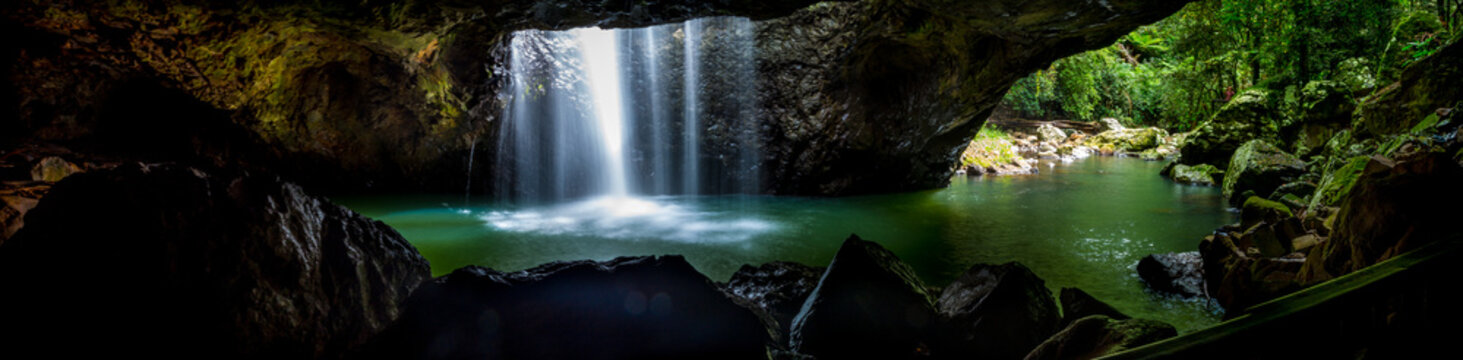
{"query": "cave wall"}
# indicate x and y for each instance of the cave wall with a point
(857, 97)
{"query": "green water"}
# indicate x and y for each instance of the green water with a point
(1084, 224)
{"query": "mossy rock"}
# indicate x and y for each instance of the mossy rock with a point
(1260, 167)
(1326, 102)
(1250, 116)
(1130, 140)
(1257, 209)
(1424, 87)
(1337, 183)
(1202, 174)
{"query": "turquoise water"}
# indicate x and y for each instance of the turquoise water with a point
(1083, 224)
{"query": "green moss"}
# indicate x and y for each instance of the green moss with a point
(1336, 184)
(1257, 206)
(1202, 174)
(1427, 124)
(991, 147)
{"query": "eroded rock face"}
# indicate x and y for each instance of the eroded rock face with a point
(868, 304)
(170, 261)
(996, 312)
(1096, 336)
(626, 308)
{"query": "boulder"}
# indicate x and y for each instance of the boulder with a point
(1202, 174)
(996, 312)
(1049, 133)
(1260, 167)
(170, 261)
(868, 304)
(626, 308)
(1128, 140)
(1096, 336)
(1257, 210)
(1249, 281)
(1077, 304)
(1391, 208)
(14, 203)
(1175, 273)
(1108, 124)
(1422, 88)
(1337, 183)
(1249, 116)
(1297, 189)
(778, 288)
(53, 169)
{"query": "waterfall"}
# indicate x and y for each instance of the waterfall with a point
(691, 174)
(629, 113)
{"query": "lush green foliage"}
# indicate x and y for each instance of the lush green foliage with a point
(1179, 71)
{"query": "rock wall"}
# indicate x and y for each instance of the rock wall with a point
(858, 97)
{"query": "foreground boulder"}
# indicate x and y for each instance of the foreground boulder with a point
(996, 312)
(1392, 208)
(1176, 273)
(1248, 117)
(778, 288)
(1259, 167)
(14, 203)
(868, 304)
(626, 308)
(167, 261)
(1096, 336)
(1077, 304)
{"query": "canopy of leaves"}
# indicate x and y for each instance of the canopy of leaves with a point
(1179, 71)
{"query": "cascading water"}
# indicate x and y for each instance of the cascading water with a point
(612, 128)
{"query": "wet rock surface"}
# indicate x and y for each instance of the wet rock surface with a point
(172, 261)
(867, 304)
(1096, 336)
(996, 312)
(778, 288)
(626, 308)
(1176, 273)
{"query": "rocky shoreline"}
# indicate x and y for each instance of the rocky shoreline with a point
(1017, 150)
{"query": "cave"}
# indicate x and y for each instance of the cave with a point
(565, 179)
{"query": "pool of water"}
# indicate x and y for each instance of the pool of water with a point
(1082, 224)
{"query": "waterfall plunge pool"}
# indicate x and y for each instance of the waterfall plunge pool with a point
(1083, 224)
